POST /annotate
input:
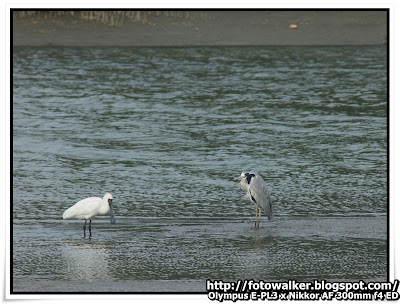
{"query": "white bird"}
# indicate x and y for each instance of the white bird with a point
(257, 191)
(88, 208)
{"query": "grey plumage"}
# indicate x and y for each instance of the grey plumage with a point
(257, 191)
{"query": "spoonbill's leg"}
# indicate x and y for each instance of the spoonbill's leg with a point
(90, 228)
(84, 229)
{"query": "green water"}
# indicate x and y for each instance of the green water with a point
(165, 130)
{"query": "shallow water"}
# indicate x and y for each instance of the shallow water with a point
(165, 130)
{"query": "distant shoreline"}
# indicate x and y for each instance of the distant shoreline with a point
(198, 28)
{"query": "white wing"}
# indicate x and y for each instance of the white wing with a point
(84, 209)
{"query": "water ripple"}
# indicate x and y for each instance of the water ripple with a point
(165, 130)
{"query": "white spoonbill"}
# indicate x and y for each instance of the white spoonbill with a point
(89, 208)
(257, 191)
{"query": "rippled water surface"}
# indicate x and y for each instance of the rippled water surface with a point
(165, 130)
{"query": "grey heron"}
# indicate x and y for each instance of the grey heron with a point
(89, 208)
(257, 191)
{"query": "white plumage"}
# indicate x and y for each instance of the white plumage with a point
(89, 208)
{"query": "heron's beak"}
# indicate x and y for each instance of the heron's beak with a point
(112, 218)
(237, 178)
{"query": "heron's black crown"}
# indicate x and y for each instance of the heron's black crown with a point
(248, 177)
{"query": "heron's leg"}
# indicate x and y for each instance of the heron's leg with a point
(90, 228)
(255, 221)
(259, 218)
(84, 230)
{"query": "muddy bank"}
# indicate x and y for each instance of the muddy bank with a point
(198, 28)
